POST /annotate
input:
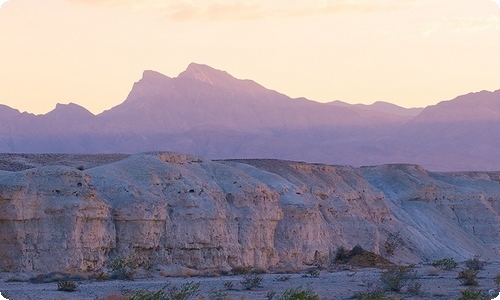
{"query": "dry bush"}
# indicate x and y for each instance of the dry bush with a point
(113, 296)
(66, 286)
(251, 281)
(497, 281)
(283, 277)
(468, 277)
(475, 264)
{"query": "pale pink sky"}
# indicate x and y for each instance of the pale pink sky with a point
(90, 52)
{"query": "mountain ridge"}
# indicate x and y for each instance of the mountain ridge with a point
(210, 113)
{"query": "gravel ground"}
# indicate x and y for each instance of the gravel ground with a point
(337, 284)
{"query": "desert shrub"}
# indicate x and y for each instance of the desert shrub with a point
(395, 278)
(414, 288)
(124, 268)
(497, 280)
(251, 281)
(113, 296)
(468, 277)
(472, 293)
(283, 277)
(314, 273)
(294, 294)
(475, 264)
(186, 291)
(66, 286)
(342, 255)
(229, 285)
(376, 295)
(217, 294)
(445, 264)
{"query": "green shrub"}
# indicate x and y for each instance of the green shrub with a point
(124, 268)
(186, 291)
(378, 295)
(66, 286)
(395, 278)
(472, 293)
(445, 264)
(468, 277)
(295, 294)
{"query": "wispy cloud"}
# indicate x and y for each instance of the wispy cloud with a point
(465, 24)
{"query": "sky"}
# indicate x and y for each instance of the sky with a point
(412, 53)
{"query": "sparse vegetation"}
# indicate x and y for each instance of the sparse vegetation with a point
(472, 293)
(414, 288)
(375, 295)
(251, 281)
(468, 277)
(66, 286)
(314, 273)
(294, 294)
(445, 264)
(394, 279)
(229, 285)
(497, 280)
(283, 277)
(124, 268)
(185, 292)
(475, 264)
(217, 294)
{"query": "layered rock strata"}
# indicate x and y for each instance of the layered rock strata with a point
(172, 209)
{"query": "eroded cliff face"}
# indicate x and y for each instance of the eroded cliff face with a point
(172, 209)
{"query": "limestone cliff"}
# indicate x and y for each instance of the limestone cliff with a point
(173, 209)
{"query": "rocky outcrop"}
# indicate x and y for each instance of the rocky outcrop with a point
(177, 210)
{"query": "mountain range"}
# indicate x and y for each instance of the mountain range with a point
(209, 113)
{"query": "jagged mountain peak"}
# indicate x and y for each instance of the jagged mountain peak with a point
(153, 76)
(69, 109)
(206, 74)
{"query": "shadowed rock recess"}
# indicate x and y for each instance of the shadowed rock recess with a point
(174, 209)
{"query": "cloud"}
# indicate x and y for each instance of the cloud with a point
(497, 2)
(2, 2)
(465, 24)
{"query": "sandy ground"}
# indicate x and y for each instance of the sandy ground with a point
(337, 284)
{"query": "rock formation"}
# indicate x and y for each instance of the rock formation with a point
(172, 209)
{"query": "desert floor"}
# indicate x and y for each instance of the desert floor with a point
(333, 284)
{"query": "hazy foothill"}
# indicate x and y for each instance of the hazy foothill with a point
(260, 196)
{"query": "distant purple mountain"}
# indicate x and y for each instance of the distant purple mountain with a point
(383, 107)
(210, 113)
